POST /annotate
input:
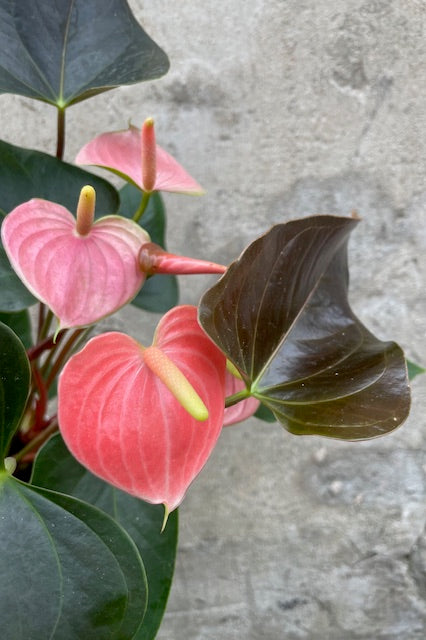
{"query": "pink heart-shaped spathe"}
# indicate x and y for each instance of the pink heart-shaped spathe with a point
(81, 278)
(121, 152)
(120, 420)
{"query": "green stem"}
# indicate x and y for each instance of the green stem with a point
(41, 317)
(143, 205)
(237, 397)
(37, 440)
(44, 329)
(60, 136)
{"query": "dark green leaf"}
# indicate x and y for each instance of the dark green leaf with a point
(414, 369)
(159, 293)
(14, 386)
(282, 316)
(56, 469)
(68, 570)
(26, 174)
(265, 414)
(20, 323)
(14, 296)
(154, 216)
(65, 51)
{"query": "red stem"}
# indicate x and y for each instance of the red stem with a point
(34, 352)
(41, 403)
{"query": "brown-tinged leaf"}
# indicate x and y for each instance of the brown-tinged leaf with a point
(281, 315)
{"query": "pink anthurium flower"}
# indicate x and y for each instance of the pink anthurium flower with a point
(145, 419)
(243, 409)
(83, 270)
(134, 155)
(154, 259)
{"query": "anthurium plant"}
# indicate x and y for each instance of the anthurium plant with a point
(101, 436)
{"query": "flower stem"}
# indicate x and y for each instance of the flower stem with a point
(34, 352)
(63, 356)
(143, 205)
(60, 139)
(45, 326)
(41, 318)
(237, 397)
(37, 440)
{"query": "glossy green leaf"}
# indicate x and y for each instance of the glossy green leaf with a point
(65, 51)
(55, 468)
(26, 174)
(69, 571)
(281, 315)
(20, 323)
(153, 219)
(414, 369)
(14, 386)
(265, 414)
(14, 296)
(160, 292)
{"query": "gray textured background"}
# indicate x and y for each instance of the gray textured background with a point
(285, 108)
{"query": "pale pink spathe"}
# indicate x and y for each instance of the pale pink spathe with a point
(81, 278)
(121, 152)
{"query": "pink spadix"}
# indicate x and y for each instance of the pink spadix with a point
(83, 270)
(154, 259)
(124, 420)
(134, 155)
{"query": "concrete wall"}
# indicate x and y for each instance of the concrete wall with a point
(285, 108)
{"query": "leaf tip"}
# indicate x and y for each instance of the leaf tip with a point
(166, 516)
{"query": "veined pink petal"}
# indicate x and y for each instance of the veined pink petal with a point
(121, 421)
(81, 278)
(154, 259)
(242, 410)
(121, 152)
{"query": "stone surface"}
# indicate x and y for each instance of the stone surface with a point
(280, 109)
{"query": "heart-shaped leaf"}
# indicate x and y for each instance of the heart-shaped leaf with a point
(55, 468)
(281, 315)
(14, 386)
(159, 293)
(122, 419)
(69, 50)
(68, 570)
(122, 153)
(20, 323)
(82, 278)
